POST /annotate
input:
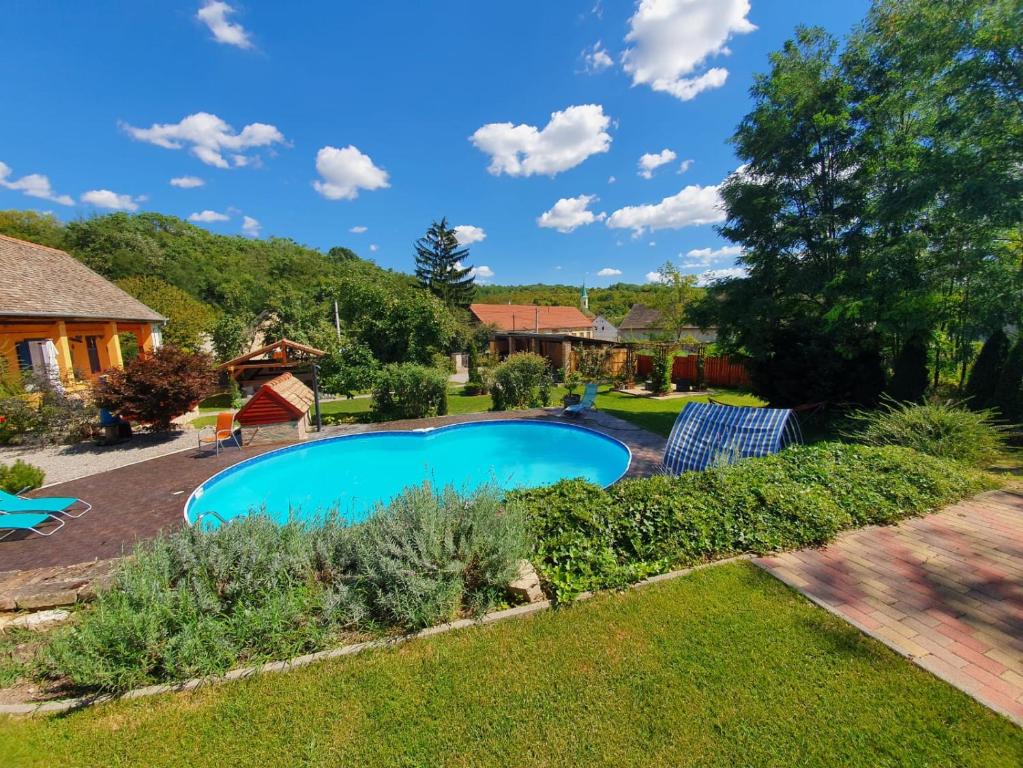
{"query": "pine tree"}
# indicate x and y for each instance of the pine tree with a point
(1008, 397)
(980, 389)
(440, 266)
(909, 372)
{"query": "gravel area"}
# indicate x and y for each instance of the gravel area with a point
(70, 462)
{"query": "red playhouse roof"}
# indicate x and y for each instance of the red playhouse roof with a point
(284, 398)
(527, 317)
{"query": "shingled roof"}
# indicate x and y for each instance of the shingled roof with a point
(285, 391)
(526, 317)
(38, 281)
(640, 318)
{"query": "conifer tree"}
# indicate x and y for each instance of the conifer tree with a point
(440, 266)
(980, 389)
(1008, 397)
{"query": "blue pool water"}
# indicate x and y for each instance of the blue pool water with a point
(356, 472)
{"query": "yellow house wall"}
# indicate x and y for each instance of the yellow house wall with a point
(72, 354)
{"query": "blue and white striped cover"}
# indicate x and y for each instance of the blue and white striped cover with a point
(706, 434)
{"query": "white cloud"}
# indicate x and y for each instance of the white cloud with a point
(651, 161)
(186, 182)
(209, 216)
(374, 247)
(570, 137)
(345, 172)
(208, 138)
(33, 185)
(611, 179)
(685, 165)
(482, 272)
(671, 41)
(712, 276)
(214, 15)
(468, 234)
(704, 257)
(692, 207)
(609, 272)
(655, 277)
(596, 59)
(570, 213)
(251, 227)
(358, 229)
(104, 198)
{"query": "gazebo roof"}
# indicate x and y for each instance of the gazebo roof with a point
(290, 353)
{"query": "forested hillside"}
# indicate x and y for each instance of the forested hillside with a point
(225, 286)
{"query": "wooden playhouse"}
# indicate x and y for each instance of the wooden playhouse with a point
(278, 412)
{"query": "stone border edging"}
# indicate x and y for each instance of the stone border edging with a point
(80, 702)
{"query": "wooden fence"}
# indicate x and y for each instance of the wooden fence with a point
(717, 371)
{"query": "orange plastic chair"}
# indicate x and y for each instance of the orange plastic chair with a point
(224, 431)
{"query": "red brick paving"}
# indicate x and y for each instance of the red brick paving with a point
(944, 590)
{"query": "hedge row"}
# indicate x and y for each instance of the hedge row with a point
(590, 538)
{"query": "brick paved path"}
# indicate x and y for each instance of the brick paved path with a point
(945, 590)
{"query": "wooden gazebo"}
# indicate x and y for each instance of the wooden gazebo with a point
(259, 366)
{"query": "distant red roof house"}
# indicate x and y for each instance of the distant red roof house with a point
(533, 319)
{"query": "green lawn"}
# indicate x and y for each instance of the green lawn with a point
(655, 415)
(725, 667)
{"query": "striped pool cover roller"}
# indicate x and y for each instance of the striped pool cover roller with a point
(706, 434)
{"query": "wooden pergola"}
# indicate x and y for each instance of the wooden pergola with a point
(261, 365)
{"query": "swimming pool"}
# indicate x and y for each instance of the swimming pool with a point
(356, 472)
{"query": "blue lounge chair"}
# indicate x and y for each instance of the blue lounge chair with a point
(586, 403)
(9, 503)
(24, 521)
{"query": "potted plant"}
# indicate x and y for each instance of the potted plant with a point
(572, 383)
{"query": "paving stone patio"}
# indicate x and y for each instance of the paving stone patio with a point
(137, 502)
(944, 590)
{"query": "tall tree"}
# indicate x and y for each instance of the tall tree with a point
(440, 266)
(674, 304)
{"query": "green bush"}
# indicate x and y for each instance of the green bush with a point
(434, 555)
(348, 368)
(409, 391)
(589, 538)
(20, 476)
(1008, 395)
(944, 430)
(521, 381)
(980, 387)
(198, 602)
(909, 380)
(660, 373)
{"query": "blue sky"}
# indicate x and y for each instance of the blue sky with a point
(316, 120)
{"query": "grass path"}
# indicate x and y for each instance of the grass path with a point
(725, 667)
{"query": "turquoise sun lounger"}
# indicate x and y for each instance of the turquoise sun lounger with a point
(52, 504)
(586, 403)
(26, 521)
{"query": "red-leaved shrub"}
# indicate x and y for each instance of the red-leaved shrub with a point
(157, 388)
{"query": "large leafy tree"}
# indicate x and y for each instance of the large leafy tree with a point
(674, 303)
(189, 321)
(796, 207)
(440, 266)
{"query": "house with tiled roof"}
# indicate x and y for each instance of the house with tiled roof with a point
(61, 320)
(643, 323)
(527, 318)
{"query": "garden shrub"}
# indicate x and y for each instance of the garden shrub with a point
(157, 388)
(347, 369)
(909, 372)
(521, 381)
(1008, 394)
(433, 555)
(409, 391)
(660, 372)
(20, 476)
(944, 430)
(980, 387)
(590, 538)
(198, 602)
